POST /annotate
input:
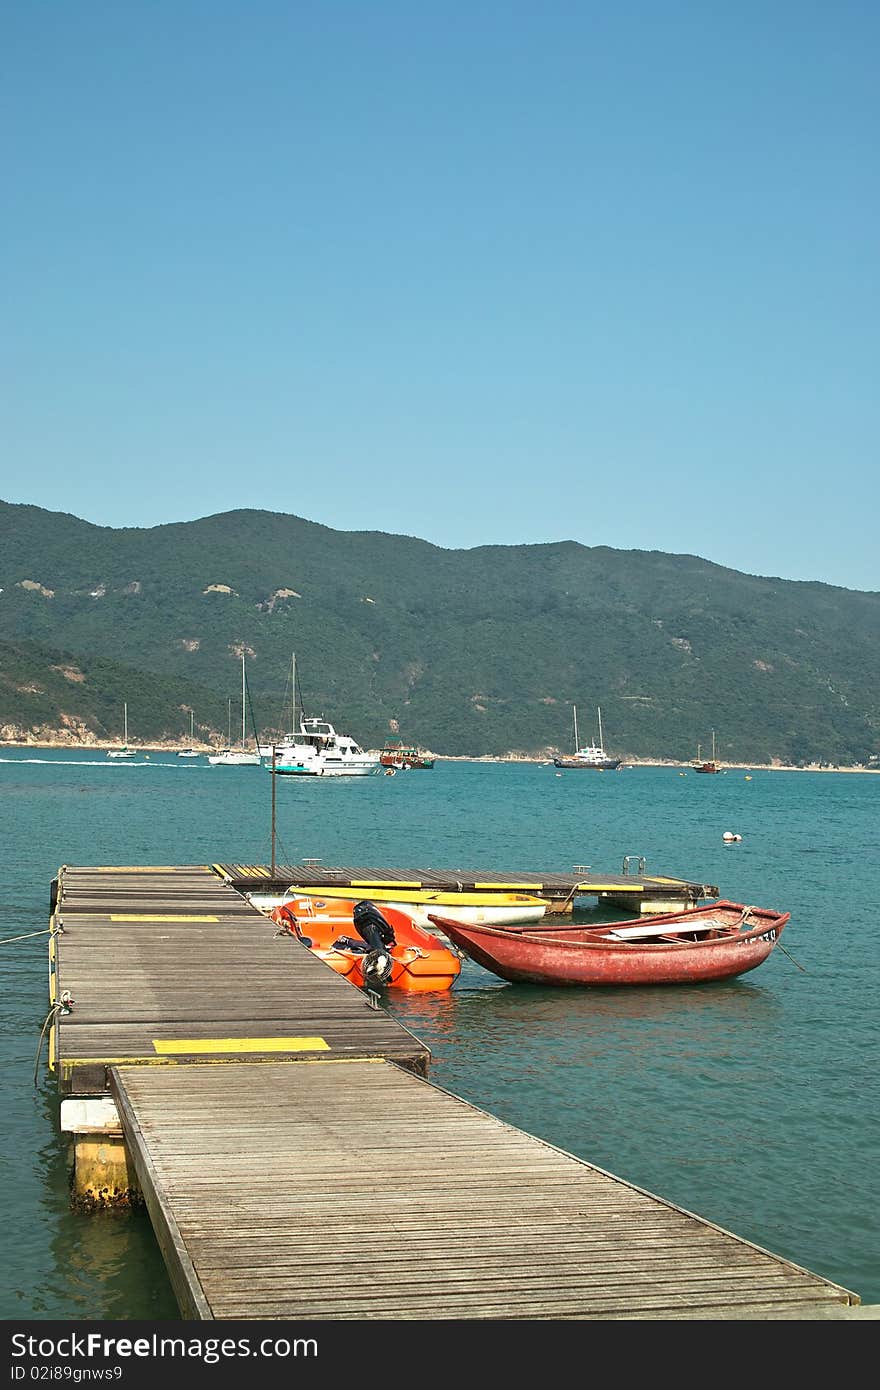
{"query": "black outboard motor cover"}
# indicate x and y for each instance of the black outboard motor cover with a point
(371, 925)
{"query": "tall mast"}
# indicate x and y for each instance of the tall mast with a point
(575, 713)
(242, 699)
(293, 694)
(599, 712)
(713, 745)
(125, 723)
(229, 722)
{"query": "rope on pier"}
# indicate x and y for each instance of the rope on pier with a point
(55, 1010)
(63, 1006)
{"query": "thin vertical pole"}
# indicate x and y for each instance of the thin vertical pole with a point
(273, 810)
(242, 699)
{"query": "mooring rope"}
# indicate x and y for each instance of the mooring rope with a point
(55, 1009)
(791, 958)
(46, 931)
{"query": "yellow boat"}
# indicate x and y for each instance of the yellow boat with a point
(479, 909)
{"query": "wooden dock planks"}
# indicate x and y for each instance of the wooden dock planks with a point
(362, 1191)
(171, 966)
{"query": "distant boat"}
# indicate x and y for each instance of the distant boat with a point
(706, 764)
(124, 751)
(238, 757)
(190, 752)
(591, 755)
(715, 942)
(396, 756)
(313, 748)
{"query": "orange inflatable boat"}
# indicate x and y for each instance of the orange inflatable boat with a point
(413, 960)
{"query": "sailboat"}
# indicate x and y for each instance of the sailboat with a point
(706, 765)
(190, 752)
(238, 757)
(591, 755)
(124, 751)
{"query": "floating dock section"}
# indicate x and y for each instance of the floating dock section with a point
(297, 1162)
(360, 1191)
(635, 892)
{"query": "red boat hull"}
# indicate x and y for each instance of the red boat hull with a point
(716, 942)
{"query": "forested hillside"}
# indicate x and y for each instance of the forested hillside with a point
(465, 652)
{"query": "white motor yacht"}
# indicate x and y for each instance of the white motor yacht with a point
(319, 751)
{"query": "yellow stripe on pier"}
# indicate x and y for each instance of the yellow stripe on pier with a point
(160, 917)
(174, 1046)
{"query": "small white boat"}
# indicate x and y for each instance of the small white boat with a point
(235, 757)
(243, 756)
(190, 752)
(124, 751)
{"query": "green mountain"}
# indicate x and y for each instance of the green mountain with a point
(466, 652)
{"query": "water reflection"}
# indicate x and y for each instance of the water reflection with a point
(100, 1265)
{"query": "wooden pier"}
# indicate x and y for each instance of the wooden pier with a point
(636, 892)
(363, 1192)
(297, 1162)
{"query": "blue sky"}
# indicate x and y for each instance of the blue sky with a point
(475, 272)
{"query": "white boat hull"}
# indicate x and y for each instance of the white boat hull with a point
(235, 760)
(302, 764)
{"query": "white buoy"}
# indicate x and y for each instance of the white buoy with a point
(729, 838)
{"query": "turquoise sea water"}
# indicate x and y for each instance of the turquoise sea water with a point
(752, 1103)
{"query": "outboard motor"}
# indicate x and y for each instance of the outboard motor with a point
(379, 936)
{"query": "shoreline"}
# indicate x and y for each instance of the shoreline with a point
(177, 745)
(665, 762)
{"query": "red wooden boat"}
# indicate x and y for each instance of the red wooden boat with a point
(714, 942)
